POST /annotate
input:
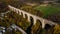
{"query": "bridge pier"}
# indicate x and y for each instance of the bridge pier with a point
(19, 12)
(34, 21)
(43, 23)
(13, 9)
(23, 15)
(28, 18)
(16, 11)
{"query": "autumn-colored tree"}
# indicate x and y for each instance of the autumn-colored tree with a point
(3, 6)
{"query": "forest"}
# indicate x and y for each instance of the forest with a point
(50, 12)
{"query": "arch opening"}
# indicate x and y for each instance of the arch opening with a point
(39, 27)
(21, 14)
(47, 26)
(38, 21)
(29, 28)
(26, 16)
(18, 12)
(31, 19)
(40, 24)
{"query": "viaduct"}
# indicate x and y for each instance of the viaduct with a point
(35, 18)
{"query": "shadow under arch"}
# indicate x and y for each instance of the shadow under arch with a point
(49, 28)
(39, 25)
(38, 21)
(21, 14)
(29, 28)
(31, 19)
(26, 16)
(18, 12)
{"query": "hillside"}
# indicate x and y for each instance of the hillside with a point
(49, 11)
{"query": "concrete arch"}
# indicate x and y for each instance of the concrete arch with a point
(14, 10)
(23, 15)
(29, 28)
(30, 18)
(19, 12)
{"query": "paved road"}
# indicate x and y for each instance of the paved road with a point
(2, 14)
(16, 27)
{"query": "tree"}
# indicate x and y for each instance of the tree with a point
(58, 1)
(3, 6)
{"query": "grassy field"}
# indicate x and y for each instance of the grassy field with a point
(48, 10)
